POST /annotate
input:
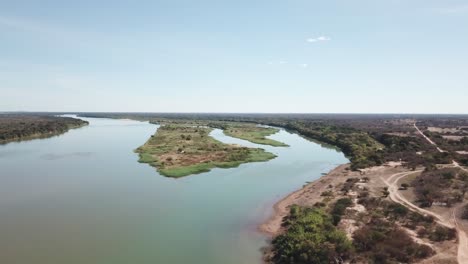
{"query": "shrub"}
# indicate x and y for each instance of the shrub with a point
(339, 209)
(310, 238)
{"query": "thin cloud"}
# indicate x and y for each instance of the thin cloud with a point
(318, 39)
(277, 62)
(30, 26)
(45, 30)
(304, 65)
(452, 10)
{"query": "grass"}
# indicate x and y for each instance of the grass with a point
(254, 134)
(179, 150)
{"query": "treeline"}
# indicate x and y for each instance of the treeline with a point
(14, 127)
(362, 150)
(366, 139)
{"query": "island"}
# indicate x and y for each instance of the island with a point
(253, 133)
(178, 150)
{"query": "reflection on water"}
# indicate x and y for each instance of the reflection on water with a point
(53, 156)
(83, 198)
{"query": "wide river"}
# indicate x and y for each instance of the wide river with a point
(82, 197)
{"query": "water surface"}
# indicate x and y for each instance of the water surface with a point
(82, 197)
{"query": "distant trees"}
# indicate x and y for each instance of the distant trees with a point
(24, 126)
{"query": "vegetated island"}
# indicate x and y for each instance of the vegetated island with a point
(179, 150)
(253, 133)
(19, 127)
(250, 131)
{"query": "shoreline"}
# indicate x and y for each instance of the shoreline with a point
(41, 135)
(382, 177)
(272, 226)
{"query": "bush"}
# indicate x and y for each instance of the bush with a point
(384, 242)
(310, 238)
(339, 209)
(442, 233)
(464, 214)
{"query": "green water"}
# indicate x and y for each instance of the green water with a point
(83, 198)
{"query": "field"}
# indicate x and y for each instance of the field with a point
(17, 127)
(179, 150)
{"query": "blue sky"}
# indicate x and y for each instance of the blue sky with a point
(393, 56)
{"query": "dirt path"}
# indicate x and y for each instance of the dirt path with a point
(439, 149)
(462, 255)
(458, 166)
(427, 138)
(392, 183)
(395, 196)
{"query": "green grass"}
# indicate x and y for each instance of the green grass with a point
(254, 134)
(179, 150)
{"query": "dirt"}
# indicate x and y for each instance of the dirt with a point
(453, 138)
(389, 175)
(444, 216)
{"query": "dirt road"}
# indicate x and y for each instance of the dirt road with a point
(392, 183)
(428, 139)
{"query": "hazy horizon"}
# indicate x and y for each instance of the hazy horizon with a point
(382, 57)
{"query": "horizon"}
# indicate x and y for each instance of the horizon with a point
(229, 113)
(384, 57)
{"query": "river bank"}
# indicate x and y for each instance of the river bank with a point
(23, 127)
(308, 195)
(370, 209)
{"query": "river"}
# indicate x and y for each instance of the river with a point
(83, 198)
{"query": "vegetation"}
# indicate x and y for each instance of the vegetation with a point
(443, 186)
(339, 209)
(381, 241)
(253, 133)
(385, 229)
(178, 150)
(367, 140)
(311, 237)
(17, 127)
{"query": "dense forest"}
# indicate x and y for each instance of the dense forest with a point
(16, 127)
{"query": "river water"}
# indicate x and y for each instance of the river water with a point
(83, 198)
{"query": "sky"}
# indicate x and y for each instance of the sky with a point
(243, 56)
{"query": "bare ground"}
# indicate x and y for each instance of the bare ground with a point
(390, 176)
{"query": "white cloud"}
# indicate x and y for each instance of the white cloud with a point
(318, 39)
(304, 65)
